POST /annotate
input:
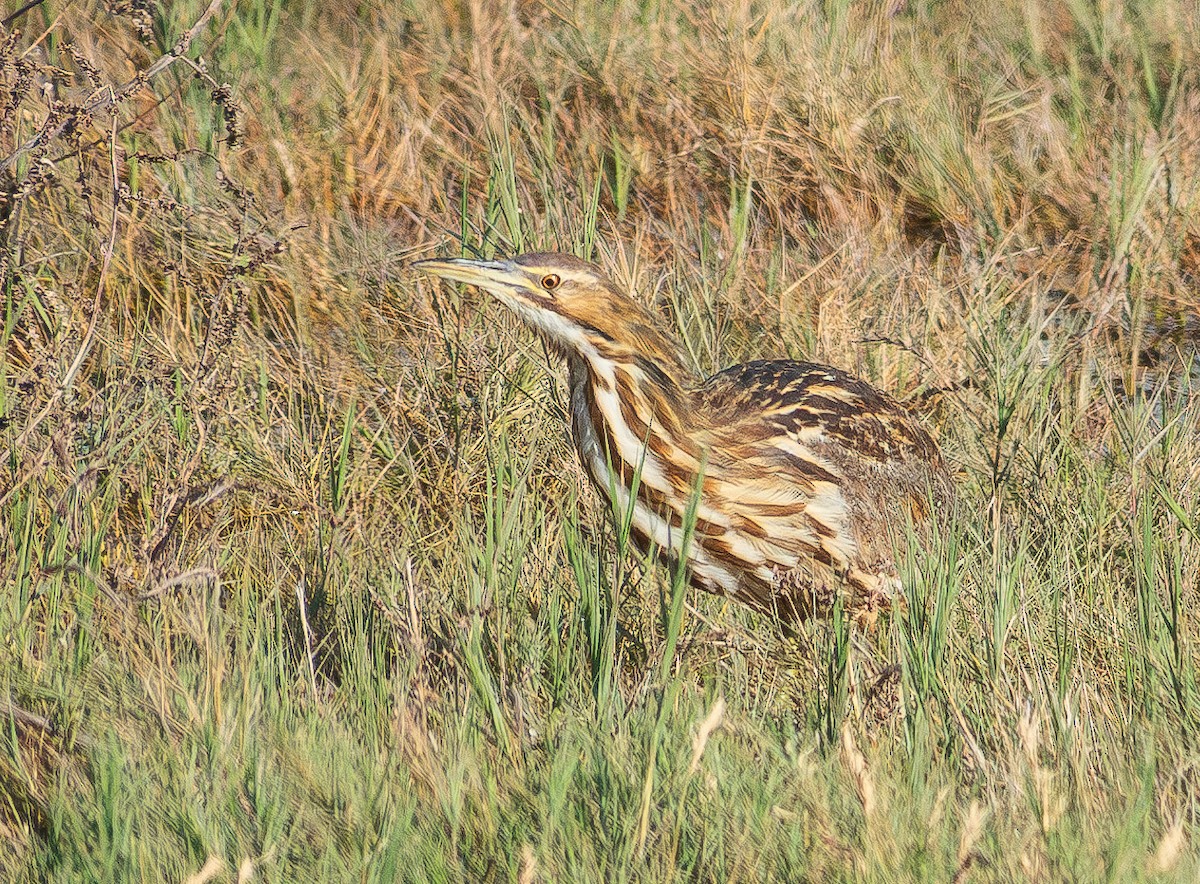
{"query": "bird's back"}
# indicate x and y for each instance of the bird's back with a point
(830, 470)
(817, 402)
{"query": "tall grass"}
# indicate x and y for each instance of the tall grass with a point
(303, 582)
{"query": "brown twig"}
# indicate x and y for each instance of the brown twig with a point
(9, 19)
(8, 709)
(105, 262)
(112, 97)
(89, 335)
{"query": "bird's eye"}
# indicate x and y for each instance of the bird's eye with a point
(551, 281)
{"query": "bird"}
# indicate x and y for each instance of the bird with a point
(784, 485)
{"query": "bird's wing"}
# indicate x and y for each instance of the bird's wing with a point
(816, 405)
(819, 459)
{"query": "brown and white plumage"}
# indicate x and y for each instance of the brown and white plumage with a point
(806, 475)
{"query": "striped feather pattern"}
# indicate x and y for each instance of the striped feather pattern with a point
(805, 473)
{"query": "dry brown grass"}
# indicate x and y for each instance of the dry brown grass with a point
(303, 579)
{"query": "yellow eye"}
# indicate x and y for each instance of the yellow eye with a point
(551, 281)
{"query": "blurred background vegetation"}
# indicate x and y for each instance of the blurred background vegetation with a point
(302, 581)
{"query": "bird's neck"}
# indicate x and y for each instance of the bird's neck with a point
(647, 390)
(628, 418)
(643, 358)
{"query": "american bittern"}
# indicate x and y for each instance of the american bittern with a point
(804, 475)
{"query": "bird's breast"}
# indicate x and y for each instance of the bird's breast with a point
(666, 477)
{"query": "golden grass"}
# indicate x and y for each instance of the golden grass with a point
(303, 581)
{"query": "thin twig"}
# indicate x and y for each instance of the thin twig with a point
(112, 97)
(105, 263)
(896, 342)
(8, 20)
(195, 575)
(89, 336)
(23, 716)
(414, 619)
(308, 643)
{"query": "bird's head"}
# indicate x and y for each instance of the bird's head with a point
(571, 302)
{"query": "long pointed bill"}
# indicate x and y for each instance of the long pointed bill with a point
(481, 273)
(511, 285)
